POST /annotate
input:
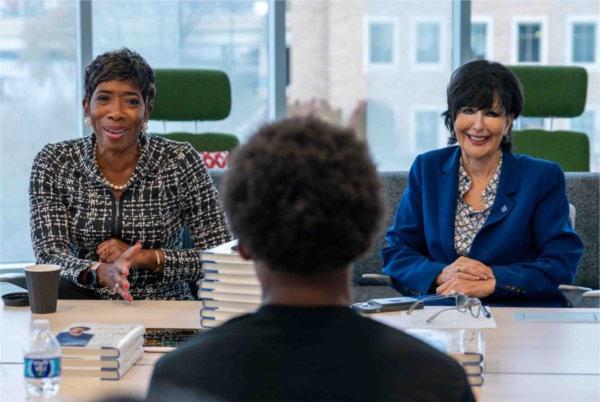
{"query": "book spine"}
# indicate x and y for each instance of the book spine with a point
(114, 375)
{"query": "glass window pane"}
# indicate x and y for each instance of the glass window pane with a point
(428, 42)
(478, 40)
(584, 42)
(529, 42)
(225, 35)
(381, 42)
(38, 105)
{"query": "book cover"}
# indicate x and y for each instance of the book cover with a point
(231, 278)
(94, 339)
(106, 373)
(101, 362)
(231, 305)
(231, 268)
(227, 296)
(226, 252)
(220, 315)
(250, 289)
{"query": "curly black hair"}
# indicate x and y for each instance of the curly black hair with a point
(303, 196)
(477, 84)
(122, 64)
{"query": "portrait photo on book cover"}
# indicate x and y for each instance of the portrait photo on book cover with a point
(75, 336)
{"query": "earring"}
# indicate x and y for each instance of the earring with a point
(87, 121)
(145, 127)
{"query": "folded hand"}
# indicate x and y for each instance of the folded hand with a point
(465, 268)
(114, 275)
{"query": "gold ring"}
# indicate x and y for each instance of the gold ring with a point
(105, 250)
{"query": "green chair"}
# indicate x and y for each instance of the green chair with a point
(194, 95)
(554, 91)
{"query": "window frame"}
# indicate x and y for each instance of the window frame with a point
(369, 66)
(529, 19)
(571, 21)
(443, 42)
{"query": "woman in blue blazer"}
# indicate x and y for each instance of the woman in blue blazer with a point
(477, 219)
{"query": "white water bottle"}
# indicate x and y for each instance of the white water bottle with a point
(42, 361)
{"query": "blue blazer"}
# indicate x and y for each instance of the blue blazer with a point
(527, 239)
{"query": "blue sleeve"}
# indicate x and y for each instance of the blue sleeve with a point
(558, 248)
(406, 257)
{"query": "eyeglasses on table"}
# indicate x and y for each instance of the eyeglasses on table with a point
(463, 304)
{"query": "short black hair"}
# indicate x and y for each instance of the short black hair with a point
(478, 84)
(303, 196)
(123, 64)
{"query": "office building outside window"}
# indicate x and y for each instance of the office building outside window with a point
(584, 42)
(529, 42)
(428, 42)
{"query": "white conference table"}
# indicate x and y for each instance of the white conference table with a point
(525, 361)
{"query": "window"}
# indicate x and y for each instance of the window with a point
(583, 48)
(227, 35)
(38, 105)
(586, 123)
(479, 34)
(428, 42)
(381, 42)
(427, 130)
(529, 42)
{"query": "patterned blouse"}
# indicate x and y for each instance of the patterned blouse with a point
(72, 211)
(468, 221)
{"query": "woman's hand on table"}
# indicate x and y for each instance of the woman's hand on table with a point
(466, 269)
(114, 275)
(470, 288)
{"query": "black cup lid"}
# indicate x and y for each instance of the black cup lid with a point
(17, 299)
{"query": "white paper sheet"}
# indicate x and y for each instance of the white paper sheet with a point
(451, 319)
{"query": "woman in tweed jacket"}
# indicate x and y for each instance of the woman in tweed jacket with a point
(110, 208)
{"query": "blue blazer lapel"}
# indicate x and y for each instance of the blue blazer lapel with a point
(508, 184)
(448, 187)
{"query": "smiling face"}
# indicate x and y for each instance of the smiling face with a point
(117, 111)
(479, 132)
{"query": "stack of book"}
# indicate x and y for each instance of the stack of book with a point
(466, 346)
(104, 351)
(229, 287)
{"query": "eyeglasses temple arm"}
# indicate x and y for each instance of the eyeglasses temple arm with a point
(426, 299)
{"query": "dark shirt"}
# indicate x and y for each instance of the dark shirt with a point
(285, 353)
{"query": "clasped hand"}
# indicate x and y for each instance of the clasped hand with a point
(113, 274)
(467, 276)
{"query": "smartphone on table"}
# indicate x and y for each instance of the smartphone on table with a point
(386, 304)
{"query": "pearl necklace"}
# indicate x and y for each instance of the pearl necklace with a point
(105, 180)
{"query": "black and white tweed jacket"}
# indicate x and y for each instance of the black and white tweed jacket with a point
(72, 211)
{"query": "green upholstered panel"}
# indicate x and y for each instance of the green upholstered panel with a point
(191, 94)
(570, 149)
(209, 142)
(553, 91)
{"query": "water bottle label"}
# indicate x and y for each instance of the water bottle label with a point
(42, 368)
